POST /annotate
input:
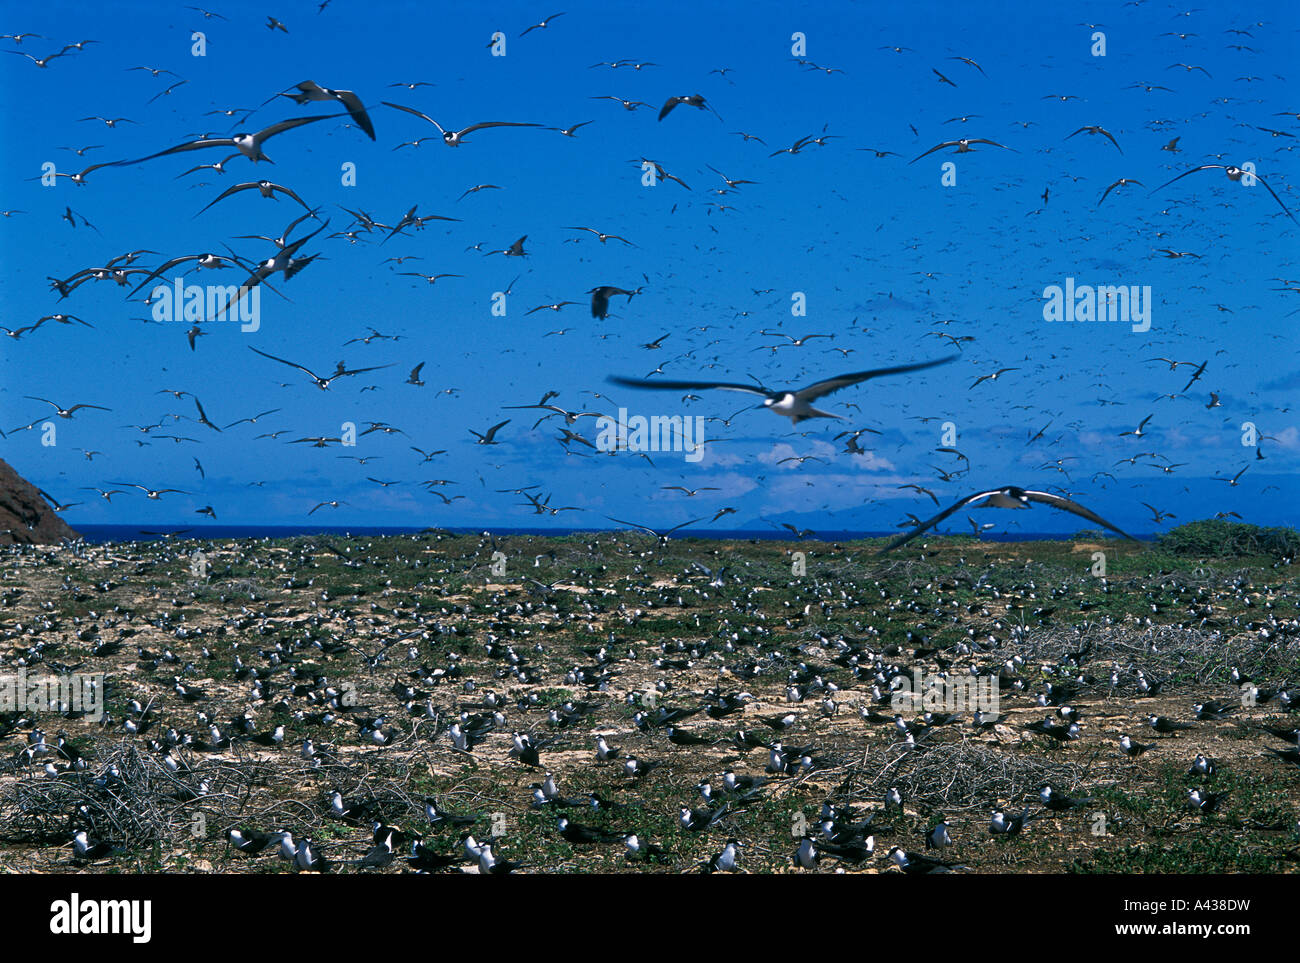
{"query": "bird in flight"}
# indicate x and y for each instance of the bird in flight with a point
(992, 377)
(453, 138)
(570, 131)
(601, 237)
(65, 412)
(1006, 497)
(1232, 482)
(600, 299)
(264, 187)
(1157, 515)
(695, 100)
(631, 105)
(1137, 432)
(793, 404)
(1092, 129)
(514, 250)
(541, 26)
(250, 145)
(661, 535)
(322, 383)
(487, 439)
(310, 90)
(1234, 174)
(1122, 182)
(963, 146)
(153, 493)
(41, 62)
(331, 504)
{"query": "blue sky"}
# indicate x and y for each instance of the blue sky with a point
(887, 257)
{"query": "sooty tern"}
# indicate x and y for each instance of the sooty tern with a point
(454, 138)
(1009, 496)
(1234, 174)
(310, 90)
(322, 383)
(962, 145)
(250, 145)
(795, 405)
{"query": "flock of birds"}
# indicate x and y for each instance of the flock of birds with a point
(293, 252)
(454, 700)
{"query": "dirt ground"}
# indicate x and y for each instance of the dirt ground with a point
(406, 634)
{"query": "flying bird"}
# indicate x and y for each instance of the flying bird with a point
(310, 90)
(963, 146)
(489, 437)
(1092, 129)
(541, 26)
(793, 404)
(1234, 174)
(1008, 496)
(694, 100)
(600, 299)
(65, 412)
(322, 383)
(264, 187)
(250, 145)
(1122, 182)
(453, 138)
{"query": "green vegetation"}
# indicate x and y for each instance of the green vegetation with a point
(1219, 538)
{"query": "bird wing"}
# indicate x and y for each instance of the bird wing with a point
(1064, 504)
(285, 190)
(683, 525)
(289, 124)
(947, 143)
(203, 416)
(493, 123)
(191, 145)
(1203, 167)
(358, 111)
(930, 523)
(227, 192)
(172, 263)
(687, 385)
(356, 371)
(412, 110)
(1275, 197)
(817, 390)
(291, 364)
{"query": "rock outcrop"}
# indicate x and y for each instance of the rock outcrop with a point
(25, 516)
